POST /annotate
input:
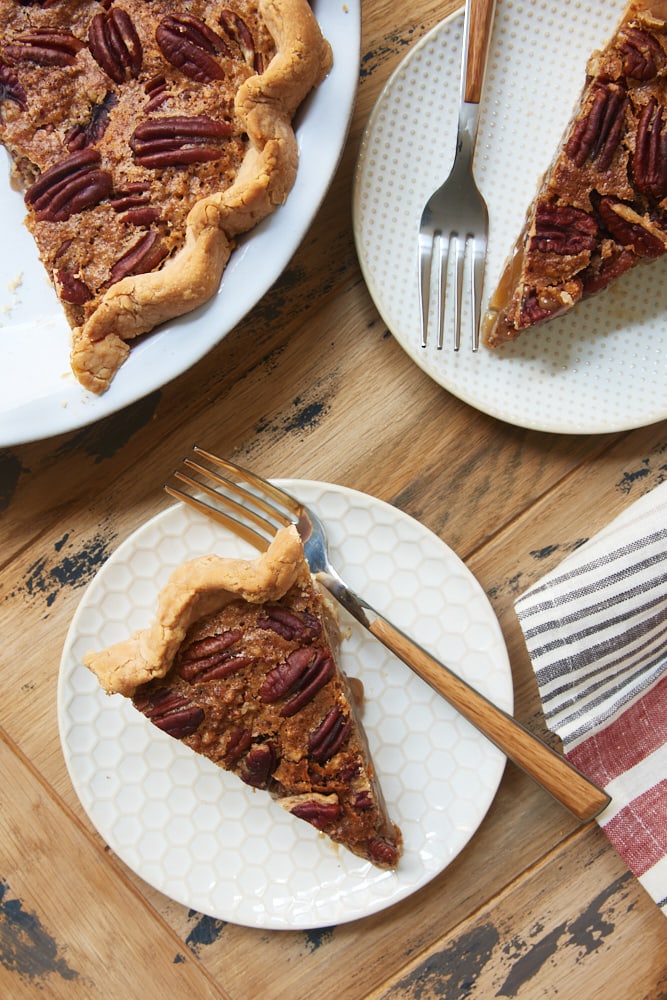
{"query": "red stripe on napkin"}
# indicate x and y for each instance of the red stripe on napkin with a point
(639, 832)
(596, 631)
(634, 735)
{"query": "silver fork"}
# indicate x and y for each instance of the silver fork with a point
(455, 218)
(255, 509)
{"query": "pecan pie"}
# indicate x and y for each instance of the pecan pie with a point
(146, 138)
(600, 209)
(240, 664)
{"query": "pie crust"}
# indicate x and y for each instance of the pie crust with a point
(240, 664)
(600, 208)
(172, 135)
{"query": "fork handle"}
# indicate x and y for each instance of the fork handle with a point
(479, 14)
(548, 768)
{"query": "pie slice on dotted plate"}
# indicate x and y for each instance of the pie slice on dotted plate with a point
(600, 209)
(146, 138)
(240, 664)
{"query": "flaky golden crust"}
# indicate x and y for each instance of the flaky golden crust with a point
(265, 105)
(198, 588)
(138, 304)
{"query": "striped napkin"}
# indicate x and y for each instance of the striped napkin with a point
(596, 632)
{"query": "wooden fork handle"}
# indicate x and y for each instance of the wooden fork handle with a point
(479, 35)
(548, 768)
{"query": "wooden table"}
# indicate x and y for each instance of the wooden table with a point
(312, 385)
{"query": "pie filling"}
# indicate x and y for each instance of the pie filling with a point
(600, 209)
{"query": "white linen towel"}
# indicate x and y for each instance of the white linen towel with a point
(596, 631)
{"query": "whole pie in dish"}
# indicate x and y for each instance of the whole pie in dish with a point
(240, 664)
(600, 208)
(146, 137)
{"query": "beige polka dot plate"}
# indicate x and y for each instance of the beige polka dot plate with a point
(204, 838)
(604, 366)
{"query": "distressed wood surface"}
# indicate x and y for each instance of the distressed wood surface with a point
(67, 914)
(312, 385)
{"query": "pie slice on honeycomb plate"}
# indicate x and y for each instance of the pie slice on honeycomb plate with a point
(240, 665)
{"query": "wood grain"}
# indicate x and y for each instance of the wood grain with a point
(312, 385)
(70, 925)
(552, 771)
(481, 26)
(534, 940)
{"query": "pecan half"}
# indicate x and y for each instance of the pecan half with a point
(531, 312)
(133, 205)
(44, 46)
(11, 89)
(598, 133)
(320, 671)
(329, 736)
(115, 45)
(81, 136)
(141, 216)
(628, 229)
(302, 675)
(363, 801)
(284, 678)
(551, 300)
(384, 852)
(605, 270)
(563, 230)
(69, 186)
(290, 625)
(170, 712)
(157, 92)
(240, 33)
(178, 140)
(72, 289)
(238, 742)
(188, 43)
(318, 812)
(143, 256)
(258, 765)
(211, 658)
(350, 770)
(642, 54)
(133, 195)
(649, 164)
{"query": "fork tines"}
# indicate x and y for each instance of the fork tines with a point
(435, 251)
(239, 500)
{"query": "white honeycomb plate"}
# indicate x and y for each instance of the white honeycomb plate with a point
(603, 367)
(206, 840)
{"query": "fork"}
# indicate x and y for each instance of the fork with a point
(455, 218)
(255, 509)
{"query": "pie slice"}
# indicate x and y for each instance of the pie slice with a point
(600, 209)
(240, 665)
(146, 137)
